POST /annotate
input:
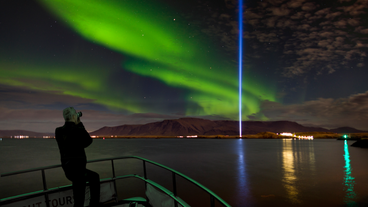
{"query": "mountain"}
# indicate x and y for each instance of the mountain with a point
(8, 133)
(196, 126)
(342, 130)
(184, 126)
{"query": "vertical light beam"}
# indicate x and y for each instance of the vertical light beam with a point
(240, 22)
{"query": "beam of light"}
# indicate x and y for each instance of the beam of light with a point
(153, 46)
(240, 22)
(348, 179)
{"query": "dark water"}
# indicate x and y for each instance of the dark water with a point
(242, 172)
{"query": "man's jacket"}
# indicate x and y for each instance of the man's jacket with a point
(72, 139)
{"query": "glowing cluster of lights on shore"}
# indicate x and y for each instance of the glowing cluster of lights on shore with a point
(288, 134)
(20, 137)
(27, 137)
(189, 136)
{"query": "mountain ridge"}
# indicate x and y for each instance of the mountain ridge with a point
(8, 133)
(197, 126)
(194, 126)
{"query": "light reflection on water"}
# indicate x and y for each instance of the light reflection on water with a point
(349, 181)
(243, 187)
(288, 165)
(312, 160)
(294, 155)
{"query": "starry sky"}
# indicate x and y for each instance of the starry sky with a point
(140, 61)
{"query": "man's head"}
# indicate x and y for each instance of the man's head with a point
(69, 114)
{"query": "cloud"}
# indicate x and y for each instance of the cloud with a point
(270, 37)
(332, 15)
(325, 112)
(355, 9)
(325, 11)
(360, 65)
(295, 4)
(309, 6)
(314, 38)
(326, 34)
(252, 15)
(280, 11)
(22, 97)
(46, 120)
(362, 30)
(298, 15)
(340, 24)
(353, 22)
(40, 111)
(143, 118)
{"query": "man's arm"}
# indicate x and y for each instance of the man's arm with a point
(83, 136)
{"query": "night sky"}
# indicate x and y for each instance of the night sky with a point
(139, 61)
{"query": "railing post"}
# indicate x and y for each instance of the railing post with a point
(113, 177)
(174, 187)
(174, 183)
(45, 188)
(145, 174)
(212, 201)
(113, 168)
(144, 169)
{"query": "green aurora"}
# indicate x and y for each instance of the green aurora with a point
(155, 45)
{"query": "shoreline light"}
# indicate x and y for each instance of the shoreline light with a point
(240, 22)
(288, 134)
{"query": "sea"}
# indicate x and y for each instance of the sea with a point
(243, 172)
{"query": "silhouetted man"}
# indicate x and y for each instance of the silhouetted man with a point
(72, 138)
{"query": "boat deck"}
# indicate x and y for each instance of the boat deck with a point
(156, 194)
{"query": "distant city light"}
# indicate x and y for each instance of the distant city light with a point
(20, 137)
(189, 136)
(288, 134)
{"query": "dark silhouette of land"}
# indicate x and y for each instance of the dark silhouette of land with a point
(196, 126)
(204, 128)
(30, 134)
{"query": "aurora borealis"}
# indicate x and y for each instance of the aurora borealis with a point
(155, 47)
(149, 60)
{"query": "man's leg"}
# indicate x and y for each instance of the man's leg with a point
(94, 184)
(76, 174)
(79, 187)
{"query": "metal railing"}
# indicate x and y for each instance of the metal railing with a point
(173, 194)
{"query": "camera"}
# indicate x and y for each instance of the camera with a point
(79, 114)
